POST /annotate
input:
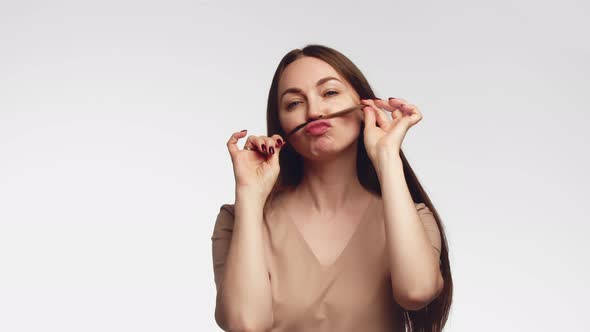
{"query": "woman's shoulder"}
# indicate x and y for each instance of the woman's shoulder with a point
(227, 208)
(226, 213)
(421, 207)
(224, 223)
(225, 220)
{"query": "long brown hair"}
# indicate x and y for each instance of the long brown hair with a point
(431, 318)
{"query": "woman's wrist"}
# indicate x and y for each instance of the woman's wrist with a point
(388, 162)
(250, 195)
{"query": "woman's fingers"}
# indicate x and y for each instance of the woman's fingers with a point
(254, 142)
(397, 106)
(279, 140)
(272, 144)
(264, 144)
(402, 105)
(369, 117)
(381, 118)
(232, 143)
(391, 104)
(268, 145)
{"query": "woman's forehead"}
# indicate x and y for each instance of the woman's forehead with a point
(306, 71)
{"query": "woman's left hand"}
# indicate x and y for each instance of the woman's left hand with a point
(383, 135)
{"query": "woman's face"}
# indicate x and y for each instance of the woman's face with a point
(305, 93)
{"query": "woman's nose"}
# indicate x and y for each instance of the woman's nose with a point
(316, 110)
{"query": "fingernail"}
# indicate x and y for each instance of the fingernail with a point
(243, 130)
(279, 142)
(391, 98)
(272, 150)
(263, 147)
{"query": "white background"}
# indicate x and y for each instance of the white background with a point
(114, 117)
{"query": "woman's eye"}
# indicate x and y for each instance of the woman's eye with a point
(328, 93)
(290, 106)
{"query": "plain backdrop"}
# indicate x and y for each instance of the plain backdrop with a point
(114, 118)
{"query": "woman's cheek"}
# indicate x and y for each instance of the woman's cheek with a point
(288, 125)
(352, 127)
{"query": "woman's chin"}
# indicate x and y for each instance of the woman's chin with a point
(325, 147)
(325, 150)
(323, 143)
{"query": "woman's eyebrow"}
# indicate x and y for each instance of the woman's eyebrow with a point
(297, 90)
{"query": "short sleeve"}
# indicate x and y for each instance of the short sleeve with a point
(221, 239)
(430, 226)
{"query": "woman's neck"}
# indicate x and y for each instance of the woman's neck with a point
(329, 186)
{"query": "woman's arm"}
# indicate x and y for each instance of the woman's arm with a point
(416, 279)
(244, 301)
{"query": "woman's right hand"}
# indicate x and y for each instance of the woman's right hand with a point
(256, 167)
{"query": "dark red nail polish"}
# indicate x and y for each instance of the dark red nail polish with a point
(243, 130)
(391, 98)
(272, 150)
(263, 147)
(279, 142)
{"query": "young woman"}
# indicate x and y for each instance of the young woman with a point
(330, 229)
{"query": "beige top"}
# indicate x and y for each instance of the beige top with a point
(352, 294)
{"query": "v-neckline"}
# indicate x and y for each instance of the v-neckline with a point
(357, 229)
